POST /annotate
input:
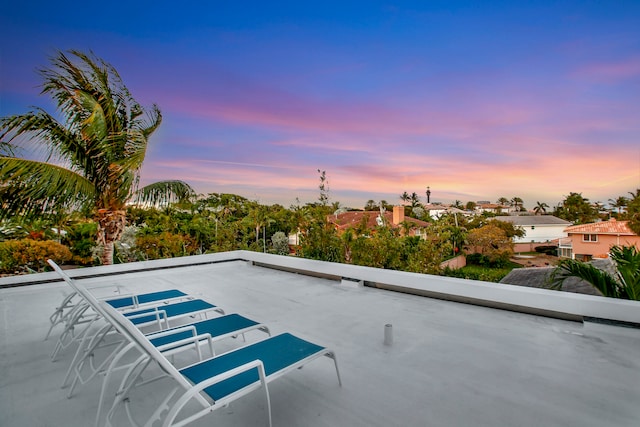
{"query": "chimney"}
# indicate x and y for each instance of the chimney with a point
(398, 214)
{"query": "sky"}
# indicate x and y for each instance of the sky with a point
(475, 100)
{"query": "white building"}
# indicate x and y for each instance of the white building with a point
(539, 230)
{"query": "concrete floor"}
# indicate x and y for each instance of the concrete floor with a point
(450, 364)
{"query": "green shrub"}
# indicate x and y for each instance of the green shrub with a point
(81, 239)
(165, 245)
(280, 242)
(27, 255)
(474, 272)
(547, 250)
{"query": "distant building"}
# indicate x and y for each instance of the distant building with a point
(494, 208)
(373, 219)
(540, 230)
(587, 241)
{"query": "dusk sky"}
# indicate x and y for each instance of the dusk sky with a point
(477, 100)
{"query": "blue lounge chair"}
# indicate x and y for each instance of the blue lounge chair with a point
(169, 341)
(74, 311)
(133, 301)
(69, 306)
(214, 382)
(161, 315)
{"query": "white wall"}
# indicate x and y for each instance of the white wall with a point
(541, 233)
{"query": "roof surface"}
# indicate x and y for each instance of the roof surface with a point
(533, 220)
(352, 219)
(603, 227)
(537, 277)
(450, 364)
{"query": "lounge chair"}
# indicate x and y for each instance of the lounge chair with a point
(214, 382)
(174, 340)
(160, 316)
(136, 300)
(72, 309)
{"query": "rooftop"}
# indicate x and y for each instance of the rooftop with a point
(450, 364)
(533, 220)
(603, 227)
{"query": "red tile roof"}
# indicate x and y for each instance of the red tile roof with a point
(352, 219)
(603, 227)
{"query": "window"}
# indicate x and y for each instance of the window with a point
(565, 253)
(589, 237)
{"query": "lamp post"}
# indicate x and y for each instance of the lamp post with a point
(428, 195)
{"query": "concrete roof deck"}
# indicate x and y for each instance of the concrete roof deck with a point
(450, 364)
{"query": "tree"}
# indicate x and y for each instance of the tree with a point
(541, 208)
(503, 201)
(414, 199)
(94, 155)
(619, 203)
(576, 209)
(371, 205)
(491, 241)
(405, 197)
(517, 202)
(624, 283)
(324, 188)
(633, 212)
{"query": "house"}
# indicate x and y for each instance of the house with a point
(494, 208)
(587, 241)
(435, 210)
(540, 230)
(369, 220)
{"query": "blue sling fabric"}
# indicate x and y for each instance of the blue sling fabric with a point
(216, 327)
(146, 298)
(172, 310)
(276, 353)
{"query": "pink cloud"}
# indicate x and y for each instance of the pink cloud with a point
(611, 72)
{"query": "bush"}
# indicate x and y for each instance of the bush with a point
(280, 242)
(81, 240)
(547, 250)
(477, 273)
(165, 245)
(27, 255)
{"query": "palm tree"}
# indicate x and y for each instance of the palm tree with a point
(625, 283)
(517, 202)
(541, 207)
(95, 153)
(414, 199)
(405, 197)
(619, 203)
(503, 201)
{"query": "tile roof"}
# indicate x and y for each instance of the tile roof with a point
(352, 219)
(603, 227)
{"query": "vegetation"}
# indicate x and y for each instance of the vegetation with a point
(625, 283)
(477, 272)
(94, 155)
(28, 255)
(81, 202)
(576, 209)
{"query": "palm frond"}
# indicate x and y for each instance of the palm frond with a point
(627, 259)
(601, 280)
(164, 192)
(30, 187)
